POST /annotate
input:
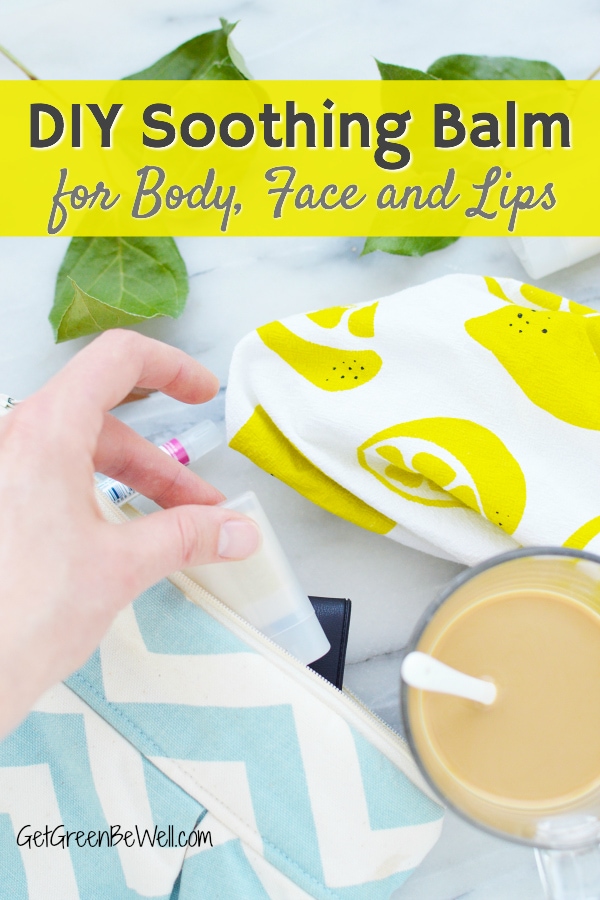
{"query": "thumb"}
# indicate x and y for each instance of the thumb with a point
(155, 546)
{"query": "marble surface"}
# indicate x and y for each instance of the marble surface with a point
(238, 284)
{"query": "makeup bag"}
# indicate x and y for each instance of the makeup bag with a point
(225, 769)
(460, 417)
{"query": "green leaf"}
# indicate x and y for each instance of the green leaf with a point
(407, 246)
(210, 57)
(466, 68)
(86, 315)
(138, 278)
(108, 282)
(493, 68)
(390, 72)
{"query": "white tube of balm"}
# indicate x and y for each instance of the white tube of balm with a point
(264, 590)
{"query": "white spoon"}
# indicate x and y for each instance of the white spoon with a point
(422, 671)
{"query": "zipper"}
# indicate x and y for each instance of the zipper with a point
(344, 702)
(383, 736)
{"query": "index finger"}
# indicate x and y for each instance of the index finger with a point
(105, 371)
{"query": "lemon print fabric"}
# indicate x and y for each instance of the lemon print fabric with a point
(449, 462)
(511, 291)
(262, 441)
(460, 416)
(584, 536)
(360, 321)
(328, 318)
(550, 356)
(328, 368)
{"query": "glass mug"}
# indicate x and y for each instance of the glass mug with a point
(526, 768)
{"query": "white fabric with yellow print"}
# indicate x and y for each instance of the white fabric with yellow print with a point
(460, 417)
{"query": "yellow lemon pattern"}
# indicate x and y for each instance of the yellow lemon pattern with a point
(544, 299)
(328, 318)
(592, 327)
(263, 442)
(549, 355)
(327, 368)
(582, 310)
(582, 537)
(410, 483)
(547, 300)
(361, 322)
(495, 288)
(449, 462)
(534, 295)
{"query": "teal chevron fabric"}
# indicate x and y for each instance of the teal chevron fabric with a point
(13, 882)
(176, 726)
(222, 874)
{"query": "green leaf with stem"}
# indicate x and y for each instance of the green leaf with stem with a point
(109, 282)
(405, 246)
(458, 67)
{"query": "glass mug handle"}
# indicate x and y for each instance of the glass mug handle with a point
(570, 874)
(573, 871)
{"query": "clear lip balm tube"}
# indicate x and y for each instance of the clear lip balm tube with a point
(264, 590)
(186, 449)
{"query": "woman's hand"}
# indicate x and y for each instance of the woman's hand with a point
(65, 572)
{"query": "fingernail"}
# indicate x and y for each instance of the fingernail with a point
(238, 538)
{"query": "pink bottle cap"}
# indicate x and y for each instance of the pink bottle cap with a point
(176, 449)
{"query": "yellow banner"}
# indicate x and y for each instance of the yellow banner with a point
(437, 158)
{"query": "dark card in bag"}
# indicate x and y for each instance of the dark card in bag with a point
(334, 616)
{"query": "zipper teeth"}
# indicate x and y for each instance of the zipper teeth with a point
(397, 745)
(354, 699)
(190, 587)
(392, 744)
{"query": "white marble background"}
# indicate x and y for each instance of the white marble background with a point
(238, 284)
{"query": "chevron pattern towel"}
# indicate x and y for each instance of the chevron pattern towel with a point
(185, 723)
(460, 417)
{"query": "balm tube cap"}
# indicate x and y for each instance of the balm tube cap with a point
(305, 639)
